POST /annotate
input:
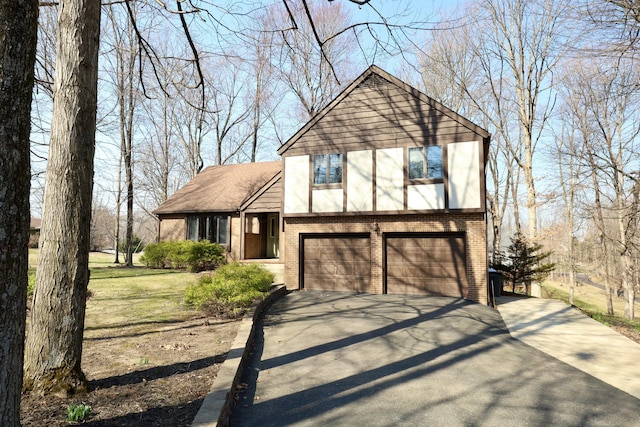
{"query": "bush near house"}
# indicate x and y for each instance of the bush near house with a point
(189, 255)
(230, 290)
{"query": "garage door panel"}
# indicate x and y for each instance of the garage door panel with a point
(337, 263)
(333, 283)
(437, 287)
(429, 255)
(443, 272)
(347, 268)
(426, 264)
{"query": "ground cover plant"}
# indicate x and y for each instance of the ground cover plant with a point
(230, 290)
(150, 359)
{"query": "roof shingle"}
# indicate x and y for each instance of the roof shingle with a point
(220, 188)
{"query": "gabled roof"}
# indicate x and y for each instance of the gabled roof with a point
(220, 188)
(276, 180)
(35, 223)
(374, 70)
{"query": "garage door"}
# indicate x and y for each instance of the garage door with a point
(340, 262)
(426, 264)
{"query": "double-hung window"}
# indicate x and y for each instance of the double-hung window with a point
(425, 162)
(214, 228)
(327, 169)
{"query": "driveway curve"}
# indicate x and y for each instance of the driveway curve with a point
(389, 360)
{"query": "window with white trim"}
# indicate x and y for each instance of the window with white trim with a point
(327, 169)
(425, 162)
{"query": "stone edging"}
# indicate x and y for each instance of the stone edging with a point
(217, 405)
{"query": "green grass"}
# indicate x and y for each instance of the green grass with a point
(554, 292)
(138, 299)
(123, 296)
(594, 308)
(96, 259)
(98, 273)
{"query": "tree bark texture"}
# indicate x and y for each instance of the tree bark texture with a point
(54, 340)
(18, 34)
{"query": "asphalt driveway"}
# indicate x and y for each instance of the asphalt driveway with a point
(341, 359)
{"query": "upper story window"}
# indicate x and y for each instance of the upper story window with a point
(425, 162)
(214, 228)
(327, 169)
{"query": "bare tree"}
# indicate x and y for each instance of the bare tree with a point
(568, 153)
(126, 86)
(506, 72)
(526, 37)
(54, 341)
(158, 153)
(312, 61)
(264, 96)
(18, 30)
(457, 73)
(616, 24)
(603, 100)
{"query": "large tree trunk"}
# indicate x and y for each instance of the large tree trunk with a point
(54, 341)
(18, 30)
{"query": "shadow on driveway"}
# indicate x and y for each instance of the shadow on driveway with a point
(383, 360)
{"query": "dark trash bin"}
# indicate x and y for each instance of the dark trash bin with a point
(495, 283)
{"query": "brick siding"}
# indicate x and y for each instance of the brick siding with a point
(472, 224)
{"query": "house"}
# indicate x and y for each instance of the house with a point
(34, 225)
(223, 203)
(383, 191)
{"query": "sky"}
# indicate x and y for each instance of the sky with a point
(398, 12)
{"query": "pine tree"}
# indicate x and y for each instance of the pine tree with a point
(523, 262)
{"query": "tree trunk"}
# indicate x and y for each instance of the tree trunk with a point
(532, 206)
(118, 206)
(18, 31)
(129, 179)
(54, 341)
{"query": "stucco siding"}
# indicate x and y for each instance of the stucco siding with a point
(464, 175)
(329, 200)
(360, 181)
(296, 184)
(425, 197)
(390, 179)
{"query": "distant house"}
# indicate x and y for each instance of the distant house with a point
(34, 225)
(383, 191)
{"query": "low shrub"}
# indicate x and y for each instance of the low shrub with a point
(189, 255)
(230, 290)
(31, 284)
(78, 412)
(136, 245)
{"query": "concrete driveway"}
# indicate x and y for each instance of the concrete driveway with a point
(384, 360)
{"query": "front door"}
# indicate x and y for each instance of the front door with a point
(273, 236)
